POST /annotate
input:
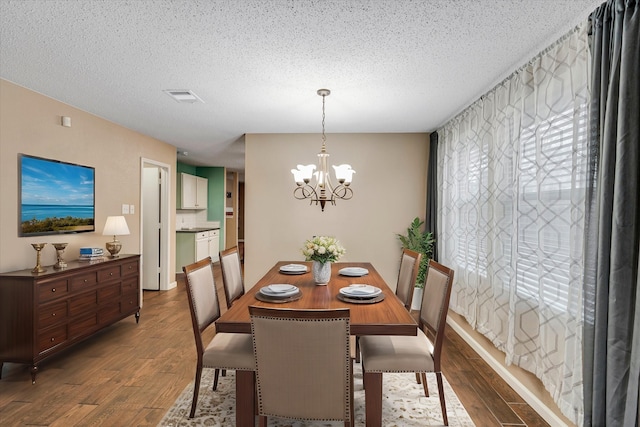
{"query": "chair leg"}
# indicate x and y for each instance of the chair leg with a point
(216, 373)
(373, 398)
(424, 383)
(417, 378)
(196, 389)
(224, 372)
(262, 421)
(357, 349)
(443, 405)
(353, 411)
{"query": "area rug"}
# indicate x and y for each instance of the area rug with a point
(404, 404)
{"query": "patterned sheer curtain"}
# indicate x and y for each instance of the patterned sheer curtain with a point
(511, 197)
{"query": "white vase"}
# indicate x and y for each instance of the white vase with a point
(416, 302)
(321, 272)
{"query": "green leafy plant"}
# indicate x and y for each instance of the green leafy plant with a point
(419, 241)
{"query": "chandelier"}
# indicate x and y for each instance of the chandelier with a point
(322, 191)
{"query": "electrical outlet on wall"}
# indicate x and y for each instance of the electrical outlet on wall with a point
(125, 209)
(132, 209)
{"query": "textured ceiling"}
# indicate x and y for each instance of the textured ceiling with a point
(392, 65)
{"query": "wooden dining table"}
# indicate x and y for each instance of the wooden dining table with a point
(386, 317)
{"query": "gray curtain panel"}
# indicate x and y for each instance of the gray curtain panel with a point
(612, 233)
(431, 220)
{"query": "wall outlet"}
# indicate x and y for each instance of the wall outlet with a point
(132, 209)
(125, 209)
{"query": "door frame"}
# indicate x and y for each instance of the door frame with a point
(165, 235)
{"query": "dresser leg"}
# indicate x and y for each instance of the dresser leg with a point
(34, 371)
(137, 317)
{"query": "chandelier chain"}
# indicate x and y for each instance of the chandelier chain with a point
(324, 138)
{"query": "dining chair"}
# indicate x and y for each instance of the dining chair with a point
(225, 350)
(231, 275)
(303, 366)
(407, 274)
(419, 353)
(409, 266)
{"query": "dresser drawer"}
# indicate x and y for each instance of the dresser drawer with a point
(53, 313)
(109, 273)
(107, 293)
(129, 302)
(84, 302)
(51, 338)
(54, 289)
(83, 325)
(84, 281)
(109, 312)
(130, 268)
(130, 286)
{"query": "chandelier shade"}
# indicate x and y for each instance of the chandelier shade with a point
(314, 182)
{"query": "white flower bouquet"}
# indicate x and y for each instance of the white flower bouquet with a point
(323, 249)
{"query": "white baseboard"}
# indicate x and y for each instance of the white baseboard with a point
(171, 285)
(533, 401)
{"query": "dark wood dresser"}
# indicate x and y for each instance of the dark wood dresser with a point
(43, 314)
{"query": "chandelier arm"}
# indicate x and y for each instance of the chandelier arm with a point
(305, 192)
(343, 192)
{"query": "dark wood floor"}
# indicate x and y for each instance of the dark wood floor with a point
(130, 374)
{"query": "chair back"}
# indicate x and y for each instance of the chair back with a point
(303, 364)
(435, 305)
(231, 275)
(409, 266)
(202, 296)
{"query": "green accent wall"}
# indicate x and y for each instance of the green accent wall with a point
(217, 197)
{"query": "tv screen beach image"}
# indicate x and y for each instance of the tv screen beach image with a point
(56, 197)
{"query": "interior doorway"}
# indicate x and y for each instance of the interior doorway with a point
(154, 225)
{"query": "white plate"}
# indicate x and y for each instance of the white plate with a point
(267, 291)
(361, 291)
(354, 271)
(278, 288)
(293, 268)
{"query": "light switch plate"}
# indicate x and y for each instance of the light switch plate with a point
(125, 209)
(132, 209)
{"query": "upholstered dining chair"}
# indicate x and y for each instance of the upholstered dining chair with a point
(225, 350)
(312, 348)
(231, 275)
(409, 266)
(419, 353)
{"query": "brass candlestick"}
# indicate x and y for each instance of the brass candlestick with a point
(38, 268)
(60, 247)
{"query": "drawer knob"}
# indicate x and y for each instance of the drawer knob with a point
(53, 314)
(53, 289)
(111, 274)
(53, 339)
(85, 280)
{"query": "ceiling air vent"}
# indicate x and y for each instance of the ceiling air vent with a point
(183, 96)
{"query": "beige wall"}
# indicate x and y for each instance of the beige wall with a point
(389, 191)
(30, 124)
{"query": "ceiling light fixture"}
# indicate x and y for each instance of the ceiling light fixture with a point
(322, 191)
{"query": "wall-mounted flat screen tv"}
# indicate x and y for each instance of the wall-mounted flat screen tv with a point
(55, 197)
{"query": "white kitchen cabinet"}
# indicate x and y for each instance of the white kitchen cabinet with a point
(192, 191)
(194, 245)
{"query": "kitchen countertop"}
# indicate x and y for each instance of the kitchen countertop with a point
(195, 229)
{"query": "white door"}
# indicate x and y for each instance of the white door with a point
(151, 228)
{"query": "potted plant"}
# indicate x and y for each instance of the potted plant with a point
(422, 242)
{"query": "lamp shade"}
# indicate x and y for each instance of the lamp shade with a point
(115, 226)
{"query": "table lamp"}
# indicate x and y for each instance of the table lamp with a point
(115, 226)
